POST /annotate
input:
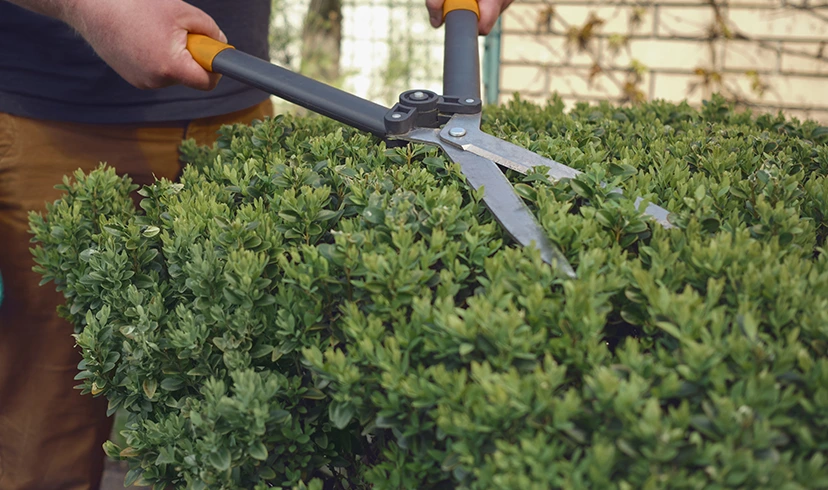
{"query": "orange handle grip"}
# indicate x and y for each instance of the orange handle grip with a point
(451, 5)
(204, 49)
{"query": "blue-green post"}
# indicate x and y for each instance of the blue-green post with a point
(491, 65)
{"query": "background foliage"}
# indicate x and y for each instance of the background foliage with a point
(307, 306)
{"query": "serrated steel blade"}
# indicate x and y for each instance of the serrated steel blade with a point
(522, 160)
(507, 207)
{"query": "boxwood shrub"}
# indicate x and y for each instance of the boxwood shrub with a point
(309, 307)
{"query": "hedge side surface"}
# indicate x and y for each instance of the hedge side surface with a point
(307, 307)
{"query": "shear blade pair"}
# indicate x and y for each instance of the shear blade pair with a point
(450, 121)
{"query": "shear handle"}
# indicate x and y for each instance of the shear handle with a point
(461, 65)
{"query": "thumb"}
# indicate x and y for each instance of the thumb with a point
(435, 12)
(489, 12)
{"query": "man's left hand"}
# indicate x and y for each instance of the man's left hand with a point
(490, 10)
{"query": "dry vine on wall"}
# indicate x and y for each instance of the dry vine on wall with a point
(610, 61)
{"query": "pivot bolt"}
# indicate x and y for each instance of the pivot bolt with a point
(396, 116)
(469, 101)
(419, 95)
(457, 132)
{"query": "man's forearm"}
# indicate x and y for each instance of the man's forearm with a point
(52, 8)
(65, 10)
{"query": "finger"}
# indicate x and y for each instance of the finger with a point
(489, 12)
(191, 73)
(435, 12)
(197, 21)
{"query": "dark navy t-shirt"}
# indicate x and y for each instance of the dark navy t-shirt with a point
(49, 72)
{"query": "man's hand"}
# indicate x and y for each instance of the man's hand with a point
(490, 10)
(144, 41)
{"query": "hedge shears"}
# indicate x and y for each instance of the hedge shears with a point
(450, 121)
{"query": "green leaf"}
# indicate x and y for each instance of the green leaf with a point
(112, 450)
(327, 215)
(132, 476)
(258, 451)
(261, 350)
(749, 326)
(581, 188)
(699, 193)
(341, 414)
(670, 328)
(314, 394)
(622, 170)
(820, 131)
(166, 455)
(373, 215)
(87, 254)
(636, 226)
(606, 218)
(220, 459)
(112, 231)
(172, 384)
(149, 386)
(280, 416)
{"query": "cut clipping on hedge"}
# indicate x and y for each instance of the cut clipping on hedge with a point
(307, 308)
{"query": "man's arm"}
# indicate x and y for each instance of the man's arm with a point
(51, 8)
(144, 41)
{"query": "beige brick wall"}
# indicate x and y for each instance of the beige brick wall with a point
(770, 54)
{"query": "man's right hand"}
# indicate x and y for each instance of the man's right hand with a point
(144, 41)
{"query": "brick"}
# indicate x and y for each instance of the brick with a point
(664, 54)
(820, 116)
(605, 86)
(524, 18)
(677, 87)
(541, 50)
(531, 18)
(748, 55)
(694, 3)
(523, 78)
(684, 21)
(575, 82)
(767, 4)
(616, 19)
(778, 24)
(798, 58)
(788, 91)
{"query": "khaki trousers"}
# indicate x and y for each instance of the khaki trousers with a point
(50, 435)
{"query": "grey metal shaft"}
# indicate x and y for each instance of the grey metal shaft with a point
(461, 66)
(301, 90)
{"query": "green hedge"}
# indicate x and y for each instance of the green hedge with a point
(307, 306)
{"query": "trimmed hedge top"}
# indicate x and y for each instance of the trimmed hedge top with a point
(308, 307)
